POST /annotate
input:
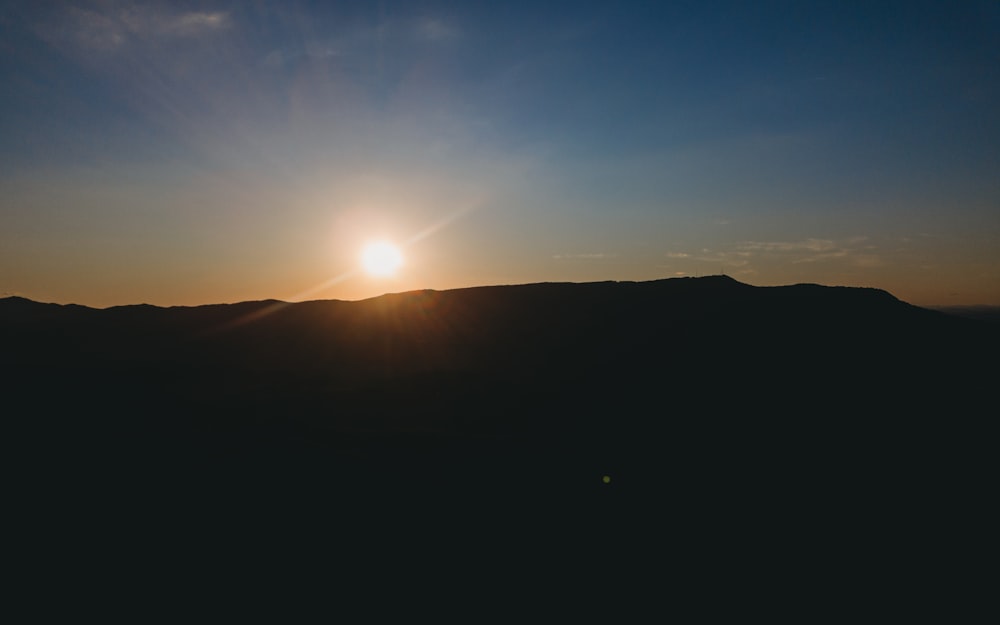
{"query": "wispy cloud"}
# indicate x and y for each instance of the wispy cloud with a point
(812, 250)
(706, 255)
(435, 29)
(854, 250)
(112, 27)
(585, 256)
(360, 41)
(808, 245)
(188, 24)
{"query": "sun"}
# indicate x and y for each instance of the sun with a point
(381, 259)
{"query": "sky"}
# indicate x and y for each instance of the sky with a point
(185, 153)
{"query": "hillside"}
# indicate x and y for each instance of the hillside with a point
(701, 399)
(515, 361)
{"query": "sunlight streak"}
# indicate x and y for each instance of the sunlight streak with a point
(343, 277)
(446, 221)
(276, 306)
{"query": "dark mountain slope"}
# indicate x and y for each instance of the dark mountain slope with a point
(619, 342)
(722, 412)
(517, 360)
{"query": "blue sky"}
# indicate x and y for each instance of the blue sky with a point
(199, 152)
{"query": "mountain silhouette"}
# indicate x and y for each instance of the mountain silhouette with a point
(709, 405)
(526, 363)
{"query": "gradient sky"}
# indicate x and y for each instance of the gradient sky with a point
(200, 152)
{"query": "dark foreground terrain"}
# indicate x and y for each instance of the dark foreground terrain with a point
(800, 437)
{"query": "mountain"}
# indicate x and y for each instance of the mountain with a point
(527, 363)
(713, 407)
(986, 313)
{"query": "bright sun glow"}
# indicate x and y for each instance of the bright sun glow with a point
(381, 259)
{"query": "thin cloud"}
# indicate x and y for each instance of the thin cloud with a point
(808, 245)
(189, 24)
(586, 256)
(435, 29)
(819, 257)
(87, 29)
(812, 250)
(359, 42)
(744, 254)
(112, 28)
